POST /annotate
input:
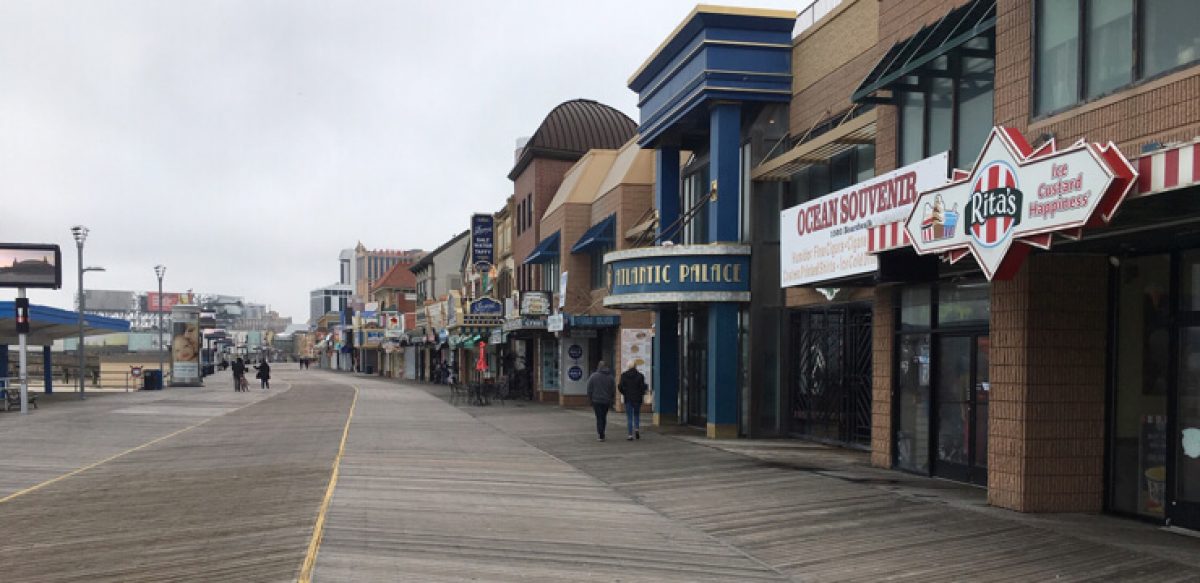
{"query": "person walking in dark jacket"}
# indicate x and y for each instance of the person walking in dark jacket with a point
(239, 375)
(602, 392)
(633, 389)
(264, 374)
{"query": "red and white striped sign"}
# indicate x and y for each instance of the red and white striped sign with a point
(887, 236)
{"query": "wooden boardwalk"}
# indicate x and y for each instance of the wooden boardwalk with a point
(211, 485)
(232, 499)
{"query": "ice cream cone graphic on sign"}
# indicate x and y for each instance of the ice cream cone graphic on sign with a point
(938, 223)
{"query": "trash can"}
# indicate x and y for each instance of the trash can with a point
(153, 380)
(370, 369)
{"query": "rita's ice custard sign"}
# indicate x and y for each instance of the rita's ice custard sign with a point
(1016, 194)
(830, 237)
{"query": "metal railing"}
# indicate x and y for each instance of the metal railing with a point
(814, 12)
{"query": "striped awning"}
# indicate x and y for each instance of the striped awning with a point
(1166, 169)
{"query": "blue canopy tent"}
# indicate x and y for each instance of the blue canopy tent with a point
(46, 325)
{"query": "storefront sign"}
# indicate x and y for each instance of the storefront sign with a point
(1018, 194)
(482, 240)
(393, 324)
(554, 323)
(679, 273)
(827, 238)
(524, 324)
(592, 321)
(486, 307)
(535, 303)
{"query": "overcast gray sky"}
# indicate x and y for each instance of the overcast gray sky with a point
(243, 143)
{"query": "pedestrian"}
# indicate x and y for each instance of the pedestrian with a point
(239, 375)
(633, 388)
(264, 374)
(602, 392)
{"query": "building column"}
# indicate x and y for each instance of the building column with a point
(3, 361)
(725, 132)
(48, 369)
(665, 374)
(725, 141)
(666, 188)
(723, 357)
(1048, 358)
(883, 339)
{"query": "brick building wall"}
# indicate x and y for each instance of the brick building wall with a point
(830, 59)
(1048, 368)
(541, 180)
(883, 338)
(572, 220)
(1157, 110)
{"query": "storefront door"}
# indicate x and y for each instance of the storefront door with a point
(831, 381)
(962, 408)
(1155, 425)
(693, 366)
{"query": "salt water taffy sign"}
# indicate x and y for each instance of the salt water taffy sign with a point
(1016, 198)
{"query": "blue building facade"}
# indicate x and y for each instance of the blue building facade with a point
(720, 72)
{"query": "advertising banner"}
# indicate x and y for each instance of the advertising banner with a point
(827, 238)
(637, 346)
(486, 307)
(482, 240)
(554, 323)
(393, 324)
(185, 346)
(164, 304)
(24, 265)
(535, 303)
(1015, 194)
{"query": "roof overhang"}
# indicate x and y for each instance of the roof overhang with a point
(48, 324)
(849, 135)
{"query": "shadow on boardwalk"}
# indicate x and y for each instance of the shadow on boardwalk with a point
(818, 513)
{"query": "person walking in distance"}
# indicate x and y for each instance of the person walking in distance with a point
(633, 389)
(239, 375)
(602, 392)
(264, 374)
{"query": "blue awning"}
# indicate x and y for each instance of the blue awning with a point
(546, 250)
(599, 235)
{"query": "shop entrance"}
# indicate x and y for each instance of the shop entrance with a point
(693, 366)
(1155, 425)
(831, 374)
(962, 407)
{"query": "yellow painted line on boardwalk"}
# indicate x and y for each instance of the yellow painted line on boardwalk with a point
(314, 545)
(78, 471)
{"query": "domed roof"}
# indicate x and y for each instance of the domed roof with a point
(574, 127)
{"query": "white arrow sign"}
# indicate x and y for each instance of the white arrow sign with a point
(1017, 194)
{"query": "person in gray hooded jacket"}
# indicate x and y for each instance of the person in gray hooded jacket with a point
(602, 392)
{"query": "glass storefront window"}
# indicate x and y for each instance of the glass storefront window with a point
(912, 432)
(912, 127)
(1189, 281)
(915, 310)
(1139, 426)
(1187, 450)
(975, 95)
(549, 364)
(941, 115)
(963, 303)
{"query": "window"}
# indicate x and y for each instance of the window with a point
(550, 275)
(951, 110)
(695, 193)
(528, 210)
(599, 273)
(1089, 48)
(842, 171)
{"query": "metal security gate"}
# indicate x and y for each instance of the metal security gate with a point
(831, 374)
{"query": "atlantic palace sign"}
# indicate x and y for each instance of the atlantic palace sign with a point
(1016, 198)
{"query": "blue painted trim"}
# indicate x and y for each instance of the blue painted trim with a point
(546, 250)
(47, 370)
(599, 234)
(725, 141)
(666, 188)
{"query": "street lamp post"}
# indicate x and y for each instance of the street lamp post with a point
(160, 270)
(80, 233)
